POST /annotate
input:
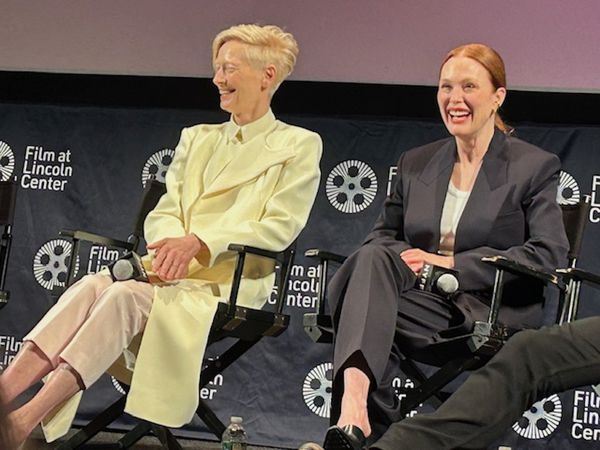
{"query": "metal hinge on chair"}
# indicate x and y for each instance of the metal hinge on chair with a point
(318, 327)
(280, 323)
(487, 337)
(236, 320)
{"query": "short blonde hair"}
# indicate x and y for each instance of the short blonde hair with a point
(267, 44)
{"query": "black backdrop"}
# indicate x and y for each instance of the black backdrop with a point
(82, 166)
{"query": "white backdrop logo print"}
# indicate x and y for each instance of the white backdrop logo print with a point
(568, 190)
(316, 389)
(541, 420)
(51, 263)
(7, 161)
(157, 165)
(351, 186)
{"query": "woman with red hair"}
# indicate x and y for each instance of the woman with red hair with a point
(477, 193)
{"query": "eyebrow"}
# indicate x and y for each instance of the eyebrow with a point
(464, 80)
(224, 63)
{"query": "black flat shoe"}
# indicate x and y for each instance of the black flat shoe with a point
(348, 437)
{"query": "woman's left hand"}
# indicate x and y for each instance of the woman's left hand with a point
(172, 256)
(415, 258)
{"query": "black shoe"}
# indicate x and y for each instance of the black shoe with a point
(348, 437)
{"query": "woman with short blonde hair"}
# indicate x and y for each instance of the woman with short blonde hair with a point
(258, 179)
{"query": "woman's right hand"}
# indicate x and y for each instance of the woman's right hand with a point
(172, 256)
(415, 258)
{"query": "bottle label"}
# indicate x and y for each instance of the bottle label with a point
(234, 446)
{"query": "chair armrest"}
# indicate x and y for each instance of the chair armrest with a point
(322, 254)
(579, 275)
(86, 236)
(240, 248)
(284, 257)
(503, 263)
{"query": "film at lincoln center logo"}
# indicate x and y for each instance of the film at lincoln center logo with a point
(7, 161)
(51, 263)
(157, 165)
(351, 186)
(316, 389)
(541, 420)
(568, 190)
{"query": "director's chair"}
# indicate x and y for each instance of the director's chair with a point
(487, 337)
(246, 326)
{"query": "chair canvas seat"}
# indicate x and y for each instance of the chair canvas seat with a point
(247, 323)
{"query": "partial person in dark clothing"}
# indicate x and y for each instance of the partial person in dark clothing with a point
(531, 366)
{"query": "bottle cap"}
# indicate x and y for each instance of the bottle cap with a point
(236, 419)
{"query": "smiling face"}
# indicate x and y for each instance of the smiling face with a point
(245, 91)
(467, 98)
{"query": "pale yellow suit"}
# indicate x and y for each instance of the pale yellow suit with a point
(253, 185)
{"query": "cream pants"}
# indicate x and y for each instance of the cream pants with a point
(92, 323)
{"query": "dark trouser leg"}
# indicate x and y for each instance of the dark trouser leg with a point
(363, 297)
(421, 316)
(532, 365)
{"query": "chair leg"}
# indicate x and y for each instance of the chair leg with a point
(134, 435)
(216, 366)
(165, 437)
(213, 423)
(436, 382)
(99, 423)
(412, 371)
(212, 369)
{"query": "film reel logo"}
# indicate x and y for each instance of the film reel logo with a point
(351, 186)
(157, 165)
(316, 389)
(51, 263)
(7, 161)
(118, 386)
(541, 420)
(568, 190)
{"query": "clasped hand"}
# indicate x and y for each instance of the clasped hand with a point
(172, 256)
(415, 258)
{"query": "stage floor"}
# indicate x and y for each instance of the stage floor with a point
(37, 442)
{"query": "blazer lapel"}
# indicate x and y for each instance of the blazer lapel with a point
(197, 160)
(247, 165)
(430, 195)
(488, 194)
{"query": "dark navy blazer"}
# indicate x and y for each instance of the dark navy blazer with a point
(512, 211)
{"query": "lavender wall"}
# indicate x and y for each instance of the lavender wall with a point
(547, 44)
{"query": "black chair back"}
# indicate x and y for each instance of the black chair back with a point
(575, 218)
(8, 196)
(153, 191)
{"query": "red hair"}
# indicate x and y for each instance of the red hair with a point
(493, 63)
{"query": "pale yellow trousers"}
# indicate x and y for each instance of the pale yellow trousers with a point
(92, 323)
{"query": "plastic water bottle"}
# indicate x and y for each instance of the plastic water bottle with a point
(234, 437)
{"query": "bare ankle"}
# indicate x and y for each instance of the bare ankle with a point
(18, 431)
(354, 400)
